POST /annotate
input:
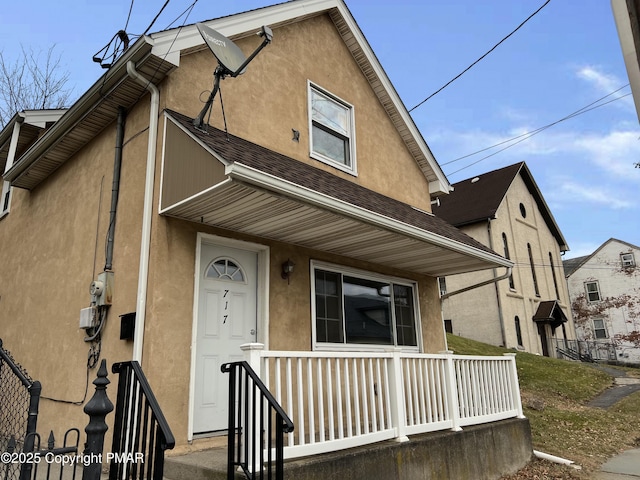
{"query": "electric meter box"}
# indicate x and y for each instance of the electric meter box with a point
(88, 317)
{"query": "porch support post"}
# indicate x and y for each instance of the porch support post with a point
(453, 405)
(252, 432)
(396, 387)
(252, 355)
(515, 385)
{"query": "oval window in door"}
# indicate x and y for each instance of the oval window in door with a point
(224, 268)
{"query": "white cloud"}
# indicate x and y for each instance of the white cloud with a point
(614, 152)
(604, 82)
(572, 191)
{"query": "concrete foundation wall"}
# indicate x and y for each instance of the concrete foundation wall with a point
(476, 453)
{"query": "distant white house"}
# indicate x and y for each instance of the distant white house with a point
(604, 288)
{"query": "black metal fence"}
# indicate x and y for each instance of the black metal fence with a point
(140, 438)
(141, 433)
(19, 399)
(586, 351)
(257, 424)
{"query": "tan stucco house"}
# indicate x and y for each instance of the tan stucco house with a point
(303, 230)
(527, 307)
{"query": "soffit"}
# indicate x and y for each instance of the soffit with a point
(272, 196)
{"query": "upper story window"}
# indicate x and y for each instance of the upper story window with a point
(518, 331)
(5, 200)
(505, 244)
(359, 308)
(593, 291)
(332, 133)
(533, 271)
(553, 273)
(627, 260)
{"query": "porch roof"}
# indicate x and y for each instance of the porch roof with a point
(270, 195)
(550, 312)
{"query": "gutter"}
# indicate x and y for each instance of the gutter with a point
(80, 109)
(481, 284)
(143, 273)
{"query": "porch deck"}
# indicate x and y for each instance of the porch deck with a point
(478, 452)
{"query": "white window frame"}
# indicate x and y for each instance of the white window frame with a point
(596, 329)
(628, 260)
(7, 191)
(351, 137)
(358, 347)
(586, 290)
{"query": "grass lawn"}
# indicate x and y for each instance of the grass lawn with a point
(561, 423)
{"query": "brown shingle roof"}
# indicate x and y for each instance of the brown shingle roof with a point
(242, 151)
(473, 201)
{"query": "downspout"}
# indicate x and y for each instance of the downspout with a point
(115, 189)
(500, 317)
(481, 284)
(143, 273)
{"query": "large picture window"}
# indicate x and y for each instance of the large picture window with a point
(331, 130)
(353, 308)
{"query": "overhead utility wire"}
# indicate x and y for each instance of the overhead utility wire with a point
(129, 16)
(533, 132)
(479, 59)
(156, 17)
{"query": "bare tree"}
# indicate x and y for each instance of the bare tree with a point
(32, 82)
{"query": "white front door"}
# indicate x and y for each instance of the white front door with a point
(227, 318)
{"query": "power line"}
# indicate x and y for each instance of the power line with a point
(156, 17)
(129, 16)
(479, 59)
(529, 135)
(577, 112)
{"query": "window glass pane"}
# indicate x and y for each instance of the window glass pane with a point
(405, 321)
(225, 269)
(330, 146)
(328, 311)
(593, 292)
(367, 311)
(330, 113)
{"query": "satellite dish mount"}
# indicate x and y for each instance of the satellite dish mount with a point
(231, 61)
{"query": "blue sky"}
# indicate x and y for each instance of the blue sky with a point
(563, 59)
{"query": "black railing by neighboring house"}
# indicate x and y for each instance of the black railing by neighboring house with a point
(256, 428)
(19, 400)
(141, 433)
(586, 350)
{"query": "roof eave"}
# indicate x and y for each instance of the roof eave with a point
(79, 109)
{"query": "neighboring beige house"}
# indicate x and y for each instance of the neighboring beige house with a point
(526, 308)
(605, 290)
(306, 229)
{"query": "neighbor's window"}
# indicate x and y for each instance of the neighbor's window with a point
(593, 291)
(331, 130)
(357, 308)
(442, 285)
(553, 273)
(518, 331)
(533, 271)
(505, 244)
(599, 328)
(628, 260)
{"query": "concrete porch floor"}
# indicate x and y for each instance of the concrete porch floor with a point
(476, 453)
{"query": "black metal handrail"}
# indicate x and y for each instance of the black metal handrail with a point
(19, 401)
(141, 432)
(256, 421)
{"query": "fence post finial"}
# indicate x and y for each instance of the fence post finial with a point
(97, 408)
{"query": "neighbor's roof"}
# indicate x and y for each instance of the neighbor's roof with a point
(477, 199)
(156, 55)
(573, 264)
(265, 170)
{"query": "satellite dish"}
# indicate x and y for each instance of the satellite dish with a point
(228, 54)
(231, 60)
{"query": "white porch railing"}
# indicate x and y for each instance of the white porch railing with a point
(340, 400)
